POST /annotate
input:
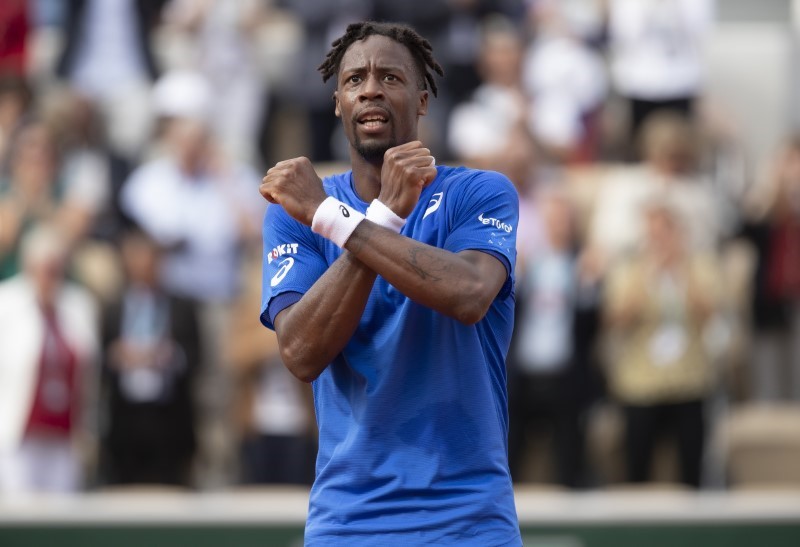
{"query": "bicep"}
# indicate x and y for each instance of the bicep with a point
(488, 268)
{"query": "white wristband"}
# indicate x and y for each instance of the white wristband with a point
(381, 215)
(335, 220)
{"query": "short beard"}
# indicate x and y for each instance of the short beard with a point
(372, 152)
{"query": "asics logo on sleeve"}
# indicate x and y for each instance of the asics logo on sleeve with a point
(434, 204)
(345, 212)
(496, 223)
(285, 265)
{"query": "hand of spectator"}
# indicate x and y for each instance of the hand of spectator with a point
(294, 185)
(407, 169)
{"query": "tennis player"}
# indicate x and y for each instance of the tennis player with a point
(391, 289)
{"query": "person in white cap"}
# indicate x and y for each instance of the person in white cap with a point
(190, 199)
(199, 206)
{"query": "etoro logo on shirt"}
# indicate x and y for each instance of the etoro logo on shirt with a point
(496, 223)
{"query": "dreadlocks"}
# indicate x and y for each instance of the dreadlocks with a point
(420, 49)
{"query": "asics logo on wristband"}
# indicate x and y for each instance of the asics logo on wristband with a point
(344, 211)
(285, 265)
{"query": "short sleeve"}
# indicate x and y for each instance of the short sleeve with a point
(485, 218)
(292, 259)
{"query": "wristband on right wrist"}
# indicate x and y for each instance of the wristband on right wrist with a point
(335, 220)
(382, 215)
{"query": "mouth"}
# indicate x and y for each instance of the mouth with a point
(373, 120)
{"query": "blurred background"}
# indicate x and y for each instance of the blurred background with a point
(655, 145)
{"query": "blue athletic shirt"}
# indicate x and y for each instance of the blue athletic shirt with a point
(412, 415)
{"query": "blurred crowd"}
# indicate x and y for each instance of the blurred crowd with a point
(658, 276)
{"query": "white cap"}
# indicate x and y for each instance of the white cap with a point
(182, 94)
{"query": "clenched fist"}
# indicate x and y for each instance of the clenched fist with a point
(407, 169)
(296, 187)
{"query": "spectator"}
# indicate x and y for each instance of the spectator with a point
(772, 225)
(108, 56)
(32, 190)
(657, 54)
(567, 83)
(551, 372)
(489, 131)
(151, 351)
(48, 346)
(657, 305)
(91, 169)
(219, 40)
(671, 146)
(198, 206)
(191, 200)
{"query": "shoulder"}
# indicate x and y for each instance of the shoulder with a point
(476, 180)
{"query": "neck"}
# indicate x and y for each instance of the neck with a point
(366, 176)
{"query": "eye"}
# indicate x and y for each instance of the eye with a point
(390, 78)
(354, 79)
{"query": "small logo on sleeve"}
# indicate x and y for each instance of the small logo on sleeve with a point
(285, 265)
(280, 250)
(345, 211)
(500, 225)
(434, 204)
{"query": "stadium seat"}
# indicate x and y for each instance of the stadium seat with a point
(761, 446)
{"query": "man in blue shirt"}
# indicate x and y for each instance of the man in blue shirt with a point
(390, 287)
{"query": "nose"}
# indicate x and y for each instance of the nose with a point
(371, 89)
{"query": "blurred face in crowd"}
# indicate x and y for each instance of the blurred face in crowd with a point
(140, 259)
(500, 58)
(670, 144)
(189, 140)
(379, 96)
(556, 211)
(33, 158)
(44, 256)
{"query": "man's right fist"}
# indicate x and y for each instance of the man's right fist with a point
(296, 187)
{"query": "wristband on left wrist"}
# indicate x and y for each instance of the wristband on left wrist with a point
(382, 215)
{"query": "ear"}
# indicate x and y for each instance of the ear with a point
(422, 106)
(337, 108)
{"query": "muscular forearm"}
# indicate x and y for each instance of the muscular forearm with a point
(312, 332)
(459, 285)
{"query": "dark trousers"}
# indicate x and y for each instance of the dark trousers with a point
(644, 425)
(278, 459)
(539, 403)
